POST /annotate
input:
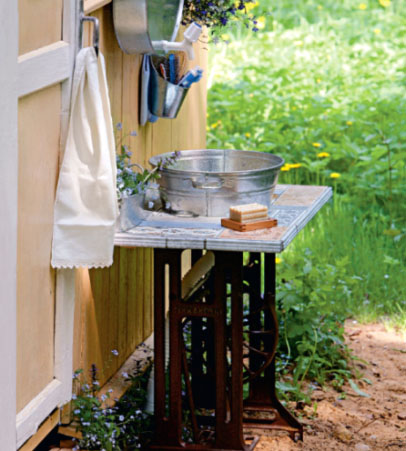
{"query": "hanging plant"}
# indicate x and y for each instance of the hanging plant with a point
(216, 15)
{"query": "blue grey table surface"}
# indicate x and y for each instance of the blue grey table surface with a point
(293, 206)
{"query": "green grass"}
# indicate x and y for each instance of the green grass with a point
(348, 252)
(323, 85)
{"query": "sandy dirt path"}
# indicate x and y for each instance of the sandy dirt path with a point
(358, 423)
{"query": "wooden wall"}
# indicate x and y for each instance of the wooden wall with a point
(114, 305)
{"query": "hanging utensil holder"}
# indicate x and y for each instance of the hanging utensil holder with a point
(164, 98)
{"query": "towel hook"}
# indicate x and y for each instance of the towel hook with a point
(96, 28)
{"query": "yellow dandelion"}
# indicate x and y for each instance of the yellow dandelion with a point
(362, 6)
(318, 80)
(250, 6)
(384, 3)
(261, 22)
(316, 144)
(335, 175)
(323, 154)
(248, 135)
(216, 124)
(294, 108)
(377, 30)
(285, 167)
(278, 260)
(295, 165)
(319, 7)
(349, 122)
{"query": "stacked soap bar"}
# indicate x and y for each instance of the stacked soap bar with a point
(248, 213)
(245, 218)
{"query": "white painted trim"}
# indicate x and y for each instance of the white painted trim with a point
(69, 34)
(64, 323)
(43, 67)
(93, 5)
(30, 418)
(8, 220)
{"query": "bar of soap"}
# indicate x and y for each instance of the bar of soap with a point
(248, 212)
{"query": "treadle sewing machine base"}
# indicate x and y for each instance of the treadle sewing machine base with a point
(225, 334)
(224, 352)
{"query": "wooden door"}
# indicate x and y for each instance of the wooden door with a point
(45, 299)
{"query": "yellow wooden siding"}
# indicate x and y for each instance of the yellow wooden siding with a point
(114, 306)
(38, 125)
(40, 23)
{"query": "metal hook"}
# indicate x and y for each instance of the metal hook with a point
(96, 28)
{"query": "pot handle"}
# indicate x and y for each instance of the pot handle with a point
(216, 184)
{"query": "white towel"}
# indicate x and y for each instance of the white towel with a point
(86, 206)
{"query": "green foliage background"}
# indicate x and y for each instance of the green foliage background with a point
(323, 85)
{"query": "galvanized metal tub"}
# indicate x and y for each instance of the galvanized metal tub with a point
(138, 23)
(208, 182)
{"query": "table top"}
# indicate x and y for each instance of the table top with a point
(293, 207)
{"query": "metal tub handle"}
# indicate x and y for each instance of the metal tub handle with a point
(215, 184)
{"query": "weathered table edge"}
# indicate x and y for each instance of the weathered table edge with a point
(126, 239)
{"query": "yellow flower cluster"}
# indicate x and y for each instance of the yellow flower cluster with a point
(216, 124)
(248, 6)
(323, 154)
(335, 175)
(316, 144)
(289, 166)
(362, 6)
(278, 260)
(261, 22)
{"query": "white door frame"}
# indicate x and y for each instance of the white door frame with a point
(38, 69)
(8, 220)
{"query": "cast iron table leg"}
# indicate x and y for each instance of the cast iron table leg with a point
(262, 393)
(167, 423)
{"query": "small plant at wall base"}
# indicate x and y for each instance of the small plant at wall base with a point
(219, 14)
(104, 427)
